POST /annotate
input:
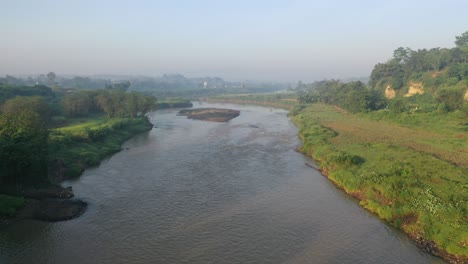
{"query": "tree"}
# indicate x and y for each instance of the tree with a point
(78, 104)
(120, 86)
(51, 76)
(401, 55)
(23, 149)
(462, 40)
(34, 104)
(451, 99)
(397, 106)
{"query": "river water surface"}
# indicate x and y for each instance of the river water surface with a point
(199, 192)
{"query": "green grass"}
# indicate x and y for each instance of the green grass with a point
(10, 204)
(85, 144)
(405, 174)
(280, 100)
(173, 103)
(453, 123)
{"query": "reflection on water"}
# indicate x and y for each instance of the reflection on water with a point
(198, 192)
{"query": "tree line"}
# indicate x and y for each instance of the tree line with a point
(444, 73)
(28, 112)
(352, 96)
(448, 66)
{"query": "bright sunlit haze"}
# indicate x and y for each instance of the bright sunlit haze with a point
(235, 40)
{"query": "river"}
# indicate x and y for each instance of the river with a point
(192, 191)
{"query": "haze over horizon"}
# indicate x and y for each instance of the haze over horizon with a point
(254, 40)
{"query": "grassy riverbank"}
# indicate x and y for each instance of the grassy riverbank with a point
(173, 103)
(410, 175)
(76, 147)
(83, 143)
(279, 100)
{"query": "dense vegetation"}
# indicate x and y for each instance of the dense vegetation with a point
(412, 177)
(421, 80)
(353, 96)
(47, 134)
(403, 153)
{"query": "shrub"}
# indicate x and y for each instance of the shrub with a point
(10, 204)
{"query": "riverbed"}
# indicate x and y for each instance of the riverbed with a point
(191, 191)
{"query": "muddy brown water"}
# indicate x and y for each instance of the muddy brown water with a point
(192, 191)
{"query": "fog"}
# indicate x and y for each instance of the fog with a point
(241, 40)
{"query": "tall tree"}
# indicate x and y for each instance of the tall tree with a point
(51, 76)
(23, 149)
(462, 40)
(34, 104)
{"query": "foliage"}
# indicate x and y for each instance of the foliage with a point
(280, 100)
(173, 103)
(352, 96)
(10, 204)
(113, 102)
(462, 40)
(397, 106)
(451, 98)
(28, 144)
(23, 148)
(85, 144)
(33, 104)
(437, 69)
(165, 86)
(414, 177)
(8, 91)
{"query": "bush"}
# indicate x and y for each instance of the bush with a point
(343, 158)
(10, 204)
(451, 98)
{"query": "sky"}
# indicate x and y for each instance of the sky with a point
(260, 40)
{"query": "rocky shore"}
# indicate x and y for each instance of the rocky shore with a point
(52, 203)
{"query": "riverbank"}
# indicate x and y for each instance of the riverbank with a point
(284, 101)
(72, 149)
(408, 176)
(173, 103)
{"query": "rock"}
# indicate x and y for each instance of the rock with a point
(58, 210)
(52, 191)
(210, 114)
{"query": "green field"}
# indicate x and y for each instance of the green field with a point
(413, 176)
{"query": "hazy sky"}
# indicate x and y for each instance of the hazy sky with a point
(236, 40)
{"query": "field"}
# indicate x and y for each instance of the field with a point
(413, 176)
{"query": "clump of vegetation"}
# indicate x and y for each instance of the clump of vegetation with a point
(10, 204)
